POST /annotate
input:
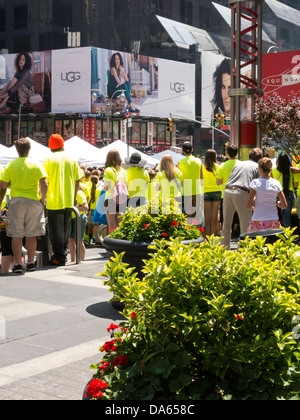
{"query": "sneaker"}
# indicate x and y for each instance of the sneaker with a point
(30, 267)
(57, 263)
(17, 269)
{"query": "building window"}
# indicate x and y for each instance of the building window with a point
(35, 129)
(161, 136)
(62, 15)
(139, 133)
(2, 20)
(22, 43)
(21, 17)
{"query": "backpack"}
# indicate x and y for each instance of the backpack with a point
(120, 194)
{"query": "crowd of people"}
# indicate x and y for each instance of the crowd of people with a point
(219, 196)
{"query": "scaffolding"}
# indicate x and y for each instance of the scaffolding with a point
(246, 53)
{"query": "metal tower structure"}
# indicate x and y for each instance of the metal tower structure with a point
(246, 72)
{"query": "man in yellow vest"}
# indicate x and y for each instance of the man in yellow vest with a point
(63, 175)
(25, 218)
(191, 168)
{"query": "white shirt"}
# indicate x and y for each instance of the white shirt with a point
(267, 191)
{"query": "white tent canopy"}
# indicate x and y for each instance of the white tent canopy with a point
(122, 149)
(37, 151)
(90, 155)
(83, 152)
(5, 155)
(175, 156)
(78, 149)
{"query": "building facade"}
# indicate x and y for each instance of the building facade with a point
(37, 25)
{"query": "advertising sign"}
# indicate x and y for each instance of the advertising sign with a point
(156, 87)
(216, 82)
(80, 80)
(281, 73)
(26, 81)
(71, 80)
(124, 131)
(90, 130)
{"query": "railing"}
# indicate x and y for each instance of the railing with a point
(78, 234)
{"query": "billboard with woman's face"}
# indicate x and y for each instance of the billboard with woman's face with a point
(25, 79)
(216, 82)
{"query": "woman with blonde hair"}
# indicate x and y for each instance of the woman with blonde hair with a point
(212, 193)
(169, 180)
(112, 174)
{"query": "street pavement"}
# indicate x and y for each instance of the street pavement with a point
(52, 324)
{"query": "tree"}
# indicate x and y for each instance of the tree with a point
(279, 120)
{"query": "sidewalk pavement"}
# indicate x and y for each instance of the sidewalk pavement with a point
(52, 324)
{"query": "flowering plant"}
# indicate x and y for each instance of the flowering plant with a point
(279, 120)
(205, 323)
(150, 222)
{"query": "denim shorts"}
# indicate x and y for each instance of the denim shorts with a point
(213, 196)
(74, 225)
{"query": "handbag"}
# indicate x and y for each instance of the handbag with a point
(3, 217)
(120, 193)
(3, 214)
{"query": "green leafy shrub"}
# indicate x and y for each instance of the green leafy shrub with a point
(205, 323)
(150, 222)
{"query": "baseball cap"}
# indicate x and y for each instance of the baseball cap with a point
(187, 147)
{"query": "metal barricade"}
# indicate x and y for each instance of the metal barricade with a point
(78, 235)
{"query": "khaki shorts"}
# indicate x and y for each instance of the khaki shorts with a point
(25, 217)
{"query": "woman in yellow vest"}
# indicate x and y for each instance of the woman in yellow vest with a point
(169, 182)
(212, 193)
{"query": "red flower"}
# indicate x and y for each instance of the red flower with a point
(104, 365)
(174, 224)
(133, 315)
(95, 387)
(112, 327)
(165, 234)
(109, 346)
(201, 229)
(238, 317)
(121, 360)
(146, 226)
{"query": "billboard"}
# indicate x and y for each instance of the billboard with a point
(25, 79)
(91, 80)
(216, 82)
(71, 80)
(281, 73)
(154, 86)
